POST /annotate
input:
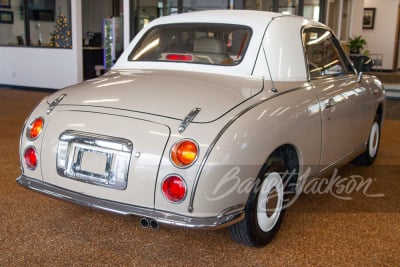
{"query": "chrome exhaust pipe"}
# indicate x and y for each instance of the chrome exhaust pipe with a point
(144, 222)
(154, 224)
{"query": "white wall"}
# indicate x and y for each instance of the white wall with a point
(382, 38)
(45, 67)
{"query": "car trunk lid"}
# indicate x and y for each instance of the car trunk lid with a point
(171, 94)
(103, 155)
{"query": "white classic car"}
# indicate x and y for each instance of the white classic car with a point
(209, 119)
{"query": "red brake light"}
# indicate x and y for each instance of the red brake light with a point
(184, 153)
(31, 158)
(179, 57)
(174, 188)
(35, 128)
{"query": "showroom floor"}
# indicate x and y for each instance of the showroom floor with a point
(321, 229)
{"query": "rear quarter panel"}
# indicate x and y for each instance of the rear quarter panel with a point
(291, 117)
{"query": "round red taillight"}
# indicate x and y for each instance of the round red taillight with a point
(35, 128)
(184, 153)
(31, 158)
(174, 188)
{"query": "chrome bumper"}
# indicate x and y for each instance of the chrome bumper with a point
(224, 219)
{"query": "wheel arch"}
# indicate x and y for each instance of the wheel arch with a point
(239, 152)
(290, 156)
(380, 112)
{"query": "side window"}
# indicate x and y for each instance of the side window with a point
(323, 54)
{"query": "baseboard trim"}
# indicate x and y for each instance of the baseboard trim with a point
(27, 88)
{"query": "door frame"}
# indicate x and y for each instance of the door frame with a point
(397, 42)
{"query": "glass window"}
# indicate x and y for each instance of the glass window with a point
(324, 56)
(290, 7)
(311, 9)
(46, 23)
(148, 10)
(307, 8)
(265, 5)
(195, 5)
(12, 27)
(217, 44)
(50, 23)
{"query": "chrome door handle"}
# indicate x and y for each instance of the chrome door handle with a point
(331, 103)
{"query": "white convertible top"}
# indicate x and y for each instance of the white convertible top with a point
(287, 28)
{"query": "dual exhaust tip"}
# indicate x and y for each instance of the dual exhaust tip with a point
(147, 222)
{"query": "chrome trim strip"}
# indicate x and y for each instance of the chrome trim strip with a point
(188, 119)
(162, 191)
(29, 128)
(181, 141)
(98, 140)
(345, 159)
(222, 131)
(226, 218)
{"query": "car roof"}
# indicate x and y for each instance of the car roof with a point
(250, 18)
(258, 21)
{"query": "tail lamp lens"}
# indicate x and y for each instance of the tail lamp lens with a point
(184, 153)
(35, 128)
(31, 158)
(174, 188)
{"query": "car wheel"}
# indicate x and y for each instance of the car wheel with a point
(368, 157)
(264, 209)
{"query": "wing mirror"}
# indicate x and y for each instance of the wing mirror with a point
(362, 63)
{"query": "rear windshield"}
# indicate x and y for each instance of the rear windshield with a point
(215, 44)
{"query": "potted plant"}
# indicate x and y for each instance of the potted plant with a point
(356, 44)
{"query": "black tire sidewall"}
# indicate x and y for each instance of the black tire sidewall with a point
(259, 237)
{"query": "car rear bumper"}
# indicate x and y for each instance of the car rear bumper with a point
(224, 219)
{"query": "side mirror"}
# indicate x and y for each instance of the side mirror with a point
(362, 63)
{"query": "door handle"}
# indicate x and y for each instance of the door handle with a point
(331, 103)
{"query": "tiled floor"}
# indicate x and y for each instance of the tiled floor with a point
(392, 109)
(319, 230)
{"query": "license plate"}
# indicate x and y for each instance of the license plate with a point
(92, 164)
(94, 159)
(95, 162)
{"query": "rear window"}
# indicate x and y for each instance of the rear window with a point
(215, 44)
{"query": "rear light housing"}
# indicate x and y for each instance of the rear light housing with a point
(184, 153)
(35, 128)
(31, 158)
(174, 188)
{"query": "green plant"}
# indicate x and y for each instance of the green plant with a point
(356, 44)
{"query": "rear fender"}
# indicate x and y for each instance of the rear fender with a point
(236, 158)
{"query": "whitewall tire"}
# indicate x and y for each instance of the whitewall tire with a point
(265, 207)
